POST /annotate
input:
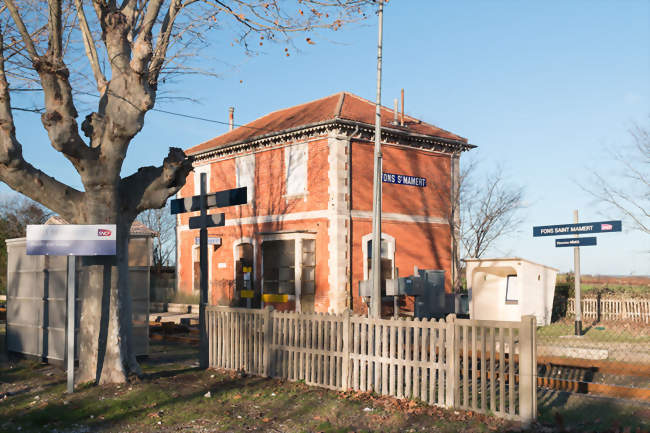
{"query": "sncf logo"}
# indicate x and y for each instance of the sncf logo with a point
(103, 232)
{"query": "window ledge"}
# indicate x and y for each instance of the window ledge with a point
(288, 197)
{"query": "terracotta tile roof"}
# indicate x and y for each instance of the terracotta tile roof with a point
(137, 228)
(345, 106)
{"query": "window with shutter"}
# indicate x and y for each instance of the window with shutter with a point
(295, 162)
(245, 174)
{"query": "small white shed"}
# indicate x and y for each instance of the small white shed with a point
(509, 288)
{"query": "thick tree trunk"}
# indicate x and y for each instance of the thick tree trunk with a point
(105, 334)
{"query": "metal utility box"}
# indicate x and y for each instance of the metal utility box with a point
(509, 288)
(36, 297)
(428, 289)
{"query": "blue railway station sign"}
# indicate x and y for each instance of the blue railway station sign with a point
(576, 242)
(402, 179)
(579, 228)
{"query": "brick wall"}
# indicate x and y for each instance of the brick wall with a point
(414, 216)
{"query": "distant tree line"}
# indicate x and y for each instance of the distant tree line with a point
(15, 214)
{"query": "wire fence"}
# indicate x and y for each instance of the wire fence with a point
(611, 357)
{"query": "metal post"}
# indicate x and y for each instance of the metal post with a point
(576, 267)
(375, 303)
(203, 260)
(69, 330)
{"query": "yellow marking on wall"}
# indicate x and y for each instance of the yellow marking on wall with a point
(270, 297)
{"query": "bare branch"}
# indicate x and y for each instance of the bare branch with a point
(91, 49)
(627, 193)
(150, 187)
(489, 211)
(19, 174)
(54, 27)
(20, 24)
(142, 48)
(162, 44)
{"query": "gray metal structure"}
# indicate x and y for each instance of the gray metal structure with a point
(428, 289)
(36, 299)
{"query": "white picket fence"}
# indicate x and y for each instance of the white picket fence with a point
(484, 366)
(632, 309)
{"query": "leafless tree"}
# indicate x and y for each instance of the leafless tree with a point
(125, 50)
(489, 210)
(627, 189)
(479, 210)
(164, 224)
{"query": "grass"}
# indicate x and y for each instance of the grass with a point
(171, 397)
(596, 333)
(590, 289)
(614, 290)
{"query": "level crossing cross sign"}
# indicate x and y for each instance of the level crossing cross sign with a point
(201, 202)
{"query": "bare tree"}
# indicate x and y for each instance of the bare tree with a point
(479, 211)
(15, 214)
(124, 49)
(164, 224)
(489, 210)
(627, 190)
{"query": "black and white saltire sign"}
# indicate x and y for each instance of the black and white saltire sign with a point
(229, 197)
(71, 240)
(212, 220)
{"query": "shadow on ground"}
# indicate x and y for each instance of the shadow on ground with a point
(590, 413)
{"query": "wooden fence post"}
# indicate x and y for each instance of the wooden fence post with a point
(450, 359)
(268, 335)
(345, 371)
(527, 369)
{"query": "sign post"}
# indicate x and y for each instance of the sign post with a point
(202, 222)
(576, 229)
(69, 330)
(72, 241)
(576, 267)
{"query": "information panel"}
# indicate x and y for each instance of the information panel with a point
(576, 242)
(71, 240)
(580, 228)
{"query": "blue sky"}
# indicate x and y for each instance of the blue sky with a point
(543, 88)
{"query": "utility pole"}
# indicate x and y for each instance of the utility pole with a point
(203, 282)
(576, 268)
(375, 302)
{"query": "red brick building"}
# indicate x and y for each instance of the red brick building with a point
(305, 233)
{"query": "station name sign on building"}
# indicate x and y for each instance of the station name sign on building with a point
(71, 240)
(580, 228)
(402, 179)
